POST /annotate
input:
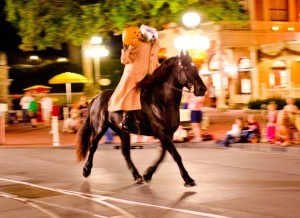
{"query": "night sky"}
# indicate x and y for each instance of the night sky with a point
(9, 42)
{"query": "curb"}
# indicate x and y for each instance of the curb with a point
(259, 147)
(293, 150)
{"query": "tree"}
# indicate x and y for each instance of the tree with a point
(49, 23)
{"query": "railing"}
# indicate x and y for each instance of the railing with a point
(258, 26)
(280, 92)
(238, 25)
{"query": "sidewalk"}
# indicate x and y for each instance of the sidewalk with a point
(18, 135)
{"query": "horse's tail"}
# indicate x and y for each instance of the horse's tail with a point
(83, 141)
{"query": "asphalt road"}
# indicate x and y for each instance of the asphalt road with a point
(48, 182)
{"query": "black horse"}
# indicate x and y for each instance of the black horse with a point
(159, 117)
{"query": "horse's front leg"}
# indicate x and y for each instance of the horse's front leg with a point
(151, 170)
(168, 144)
(125, 140)
(89, 163)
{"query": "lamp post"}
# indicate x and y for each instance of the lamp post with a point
(96, 51)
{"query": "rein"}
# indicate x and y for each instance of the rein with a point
(181, 90)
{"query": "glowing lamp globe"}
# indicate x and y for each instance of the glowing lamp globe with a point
(201, 42)
(182, 43)
(191, 19)
(96, 40)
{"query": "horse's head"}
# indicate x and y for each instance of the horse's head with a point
(189, 75)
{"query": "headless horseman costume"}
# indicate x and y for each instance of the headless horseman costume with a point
(140, 57)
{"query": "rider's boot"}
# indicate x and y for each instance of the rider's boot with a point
(125, 122)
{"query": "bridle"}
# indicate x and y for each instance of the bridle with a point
(191, 90)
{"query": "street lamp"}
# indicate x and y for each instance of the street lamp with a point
(191, 19)
(96, 52)
(192, 40)
(34, 59)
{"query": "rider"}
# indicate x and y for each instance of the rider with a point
(140, 57)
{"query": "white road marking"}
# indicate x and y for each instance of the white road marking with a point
(27, 201)
(102, 198)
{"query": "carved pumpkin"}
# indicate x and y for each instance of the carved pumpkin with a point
(131, 35)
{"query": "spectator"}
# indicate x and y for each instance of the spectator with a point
(83, 106)
(32, 112)
(195, 105)
(234, 134)
(252, 131)
(24, 102)
(286, 131)
(293, 111)
(212, 95)
(47, 106)
(83, 103)
(73, 123)
(180, 134)
(16, 103)
(108, 136)
(15, 115)
(271, 122)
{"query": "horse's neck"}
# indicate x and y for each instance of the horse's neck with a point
(170, 93)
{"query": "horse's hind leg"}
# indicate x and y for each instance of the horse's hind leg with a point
(151, 170)
(125, 140)
(94, 145)
(168, 144)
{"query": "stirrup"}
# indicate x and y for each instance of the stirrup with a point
(124, 125)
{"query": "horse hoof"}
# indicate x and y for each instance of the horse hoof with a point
(190, 184)
(86, 172)
(146, 178)
(139, 180)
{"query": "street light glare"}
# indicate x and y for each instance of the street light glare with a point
(96, 52)
(96, 40)
(191, 19)
(34, 57)
(200, 43)
(187, 42)
(181, 43)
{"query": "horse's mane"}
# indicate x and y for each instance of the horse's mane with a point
(159, 75)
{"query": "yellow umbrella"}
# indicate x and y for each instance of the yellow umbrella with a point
(68, 78)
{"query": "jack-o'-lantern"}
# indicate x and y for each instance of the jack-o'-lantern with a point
(131, 35)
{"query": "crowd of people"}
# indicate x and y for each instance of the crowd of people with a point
(282, 127)
(31, 107)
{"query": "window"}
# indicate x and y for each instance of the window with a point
(278, 76)
(279, 10)
(244, 76)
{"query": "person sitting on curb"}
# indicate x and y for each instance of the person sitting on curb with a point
(251, 132)
(286, 130)
(73, 123)
(234, 134)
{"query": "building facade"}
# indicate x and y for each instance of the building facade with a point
(251, 60)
